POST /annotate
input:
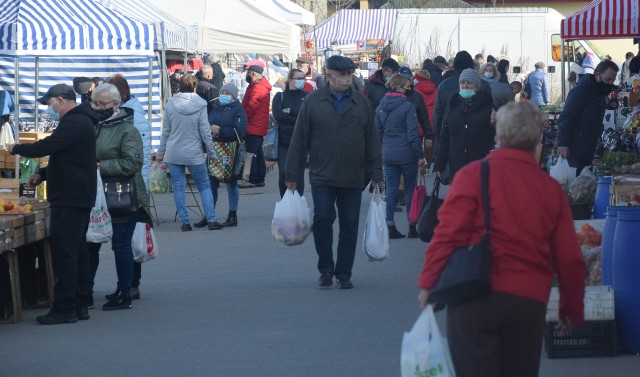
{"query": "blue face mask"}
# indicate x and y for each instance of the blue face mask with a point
(488, 75)
(299, 84)
(52, 114)
(225, 99)
(467, 93)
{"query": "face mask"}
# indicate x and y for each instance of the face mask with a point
(488, 75)
(249, 80)
(299, 84)
(224, 99)
(387, 78)
(467, 93)
(53, 115)
(340, 84)
(105, 114)
(408, 93)
(415, 81)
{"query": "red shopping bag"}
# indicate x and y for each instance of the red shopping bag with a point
(419, 194)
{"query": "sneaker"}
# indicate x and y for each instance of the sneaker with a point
(185, 227)
(53, 318)
(394, 233)
(344, 283)
(112, 295)
(82, 313)
(325, 281)
(119, 302)
(201, 224)
(214, 225)
(135, 293)
(245, 184)
(260, 184)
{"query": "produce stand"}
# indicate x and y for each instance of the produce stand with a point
(26, 271)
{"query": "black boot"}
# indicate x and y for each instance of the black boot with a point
(232, 219)
(201, 224)
(413, 232)
(394, 233)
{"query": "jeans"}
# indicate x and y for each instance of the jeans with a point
(121, 245)
(283, 150)
(253, 144)
(232, 191)
(94, 260)
(325, 200)
(201, 178)
(69, 256)
(392, 175)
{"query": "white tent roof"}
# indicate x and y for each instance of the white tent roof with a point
(288, 11)
(240, 26)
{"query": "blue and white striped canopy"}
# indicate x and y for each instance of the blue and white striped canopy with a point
(354, 25)
(70, 27)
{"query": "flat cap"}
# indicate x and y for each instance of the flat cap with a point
(255, 68)
(340, 63)
(58, 90)
(391, 63)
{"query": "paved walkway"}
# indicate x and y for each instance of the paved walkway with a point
(234, 302)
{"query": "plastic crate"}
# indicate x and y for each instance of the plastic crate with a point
(594, 338)
(599, 304)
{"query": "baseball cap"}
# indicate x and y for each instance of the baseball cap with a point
(58, 90)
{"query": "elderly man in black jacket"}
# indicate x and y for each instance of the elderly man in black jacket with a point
(205, 87)
(336, 129)
(580, 124)
(71, 192)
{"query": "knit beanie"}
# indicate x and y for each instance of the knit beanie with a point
(391, 63)
(472, 76)
(229, 87)
(462, 61)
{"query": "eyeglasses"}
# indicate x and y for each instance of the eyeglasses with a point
(101, 105)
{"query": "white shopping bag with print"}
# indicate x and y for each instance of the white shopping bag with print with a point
(376, 234)
(143, 243)
(425, 352)
(100, 229)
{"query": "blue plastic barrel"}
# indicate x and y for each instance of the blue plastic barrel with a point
(626, 278)
(602, 198)
(607, 245)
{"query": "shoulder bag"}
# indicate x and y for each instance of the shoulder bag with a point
(467, 274)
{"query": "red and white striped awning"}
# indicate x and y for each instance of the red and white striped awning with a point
(604, 19)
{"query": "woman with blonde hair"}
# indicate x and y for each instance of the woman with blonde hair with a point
(532, 240)
(397, 125)
(501, 92)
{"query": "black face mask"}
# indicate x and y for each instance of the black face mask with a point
(408, 93)
(105, 114)
(249, 80)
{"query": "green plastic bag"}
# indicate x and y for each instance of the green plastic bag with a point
(29, 168)
(158, 180)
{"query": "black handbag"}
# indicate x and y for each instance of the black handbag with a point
(467, 274)
(121, 195)
(428, 219)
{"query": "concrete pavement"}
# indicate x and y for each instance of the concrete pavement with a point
(234, 302)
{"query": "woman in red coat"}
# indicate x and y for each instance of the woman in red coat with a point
(532, 239)
(423, 85)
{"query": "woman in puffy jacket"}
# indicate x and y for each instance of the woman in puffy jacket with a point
(285, 107)
(467, 133)
(397, 125)
(228, 123)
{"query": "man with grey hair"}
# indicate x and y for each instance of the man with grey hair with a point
(71, 192)
(205, 87)
(539, 85)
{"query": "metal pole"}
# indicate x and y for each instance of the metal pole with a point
(562, 76)
(16, 111)
(150, 99)
(37, 118)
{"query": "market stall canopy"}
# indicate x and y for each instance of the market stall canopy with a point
(604, 19)
(170, 33)
(289, 11)
(237, 26)
(69, 27)
(354, 25)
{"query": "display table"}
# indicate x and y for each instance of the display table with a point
(26, 270)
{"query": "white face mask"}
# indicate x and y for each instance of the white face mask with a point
(488, 75)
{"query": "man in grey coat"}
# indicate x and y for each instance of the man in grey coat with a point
(336, 129)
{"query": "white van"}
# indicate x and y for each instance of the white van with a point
(523, 36)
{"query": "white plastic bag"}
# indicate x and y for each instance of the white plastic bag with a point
(424, 351)
(144, 243)
(291, 219)
(100, 228)
(562, 172)
(376, 234)
(6, 135)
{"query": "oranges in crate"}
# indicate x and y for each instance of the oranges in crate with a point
(8, 207)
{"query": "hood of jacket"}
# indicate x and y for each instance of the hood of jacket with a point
(188, 103)
(589, 80)
(425, 86)
(391, 101)
(377, 78)
(134, 104)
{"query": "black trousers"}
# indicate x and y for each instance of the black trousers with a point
(70, 259)
(496, 336)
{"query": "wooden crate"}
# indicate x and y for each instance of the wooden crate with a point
(10, 297)
(9, 189)
(32, 137)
